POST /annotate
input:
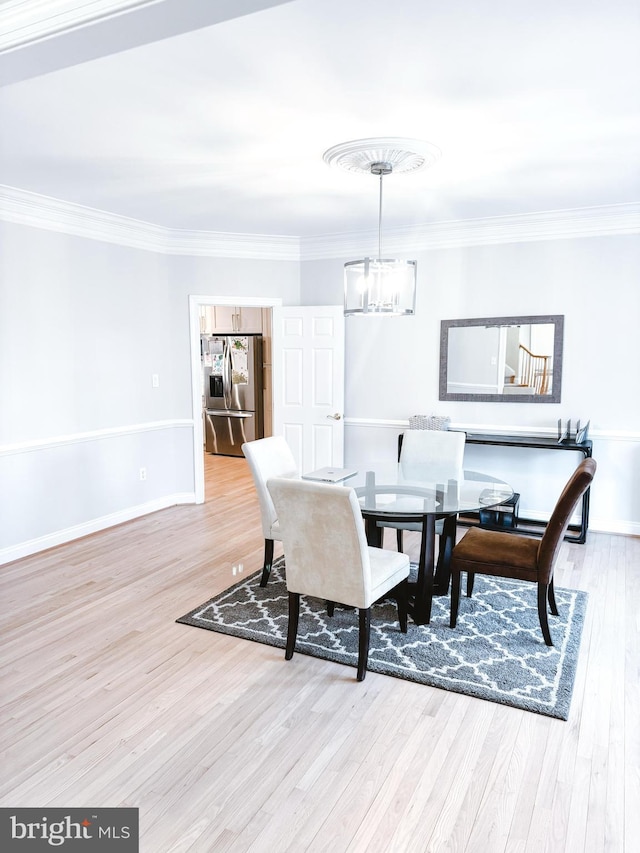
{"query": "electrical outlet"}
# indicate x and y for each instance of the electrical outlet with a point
(155, 380)
(143, 473)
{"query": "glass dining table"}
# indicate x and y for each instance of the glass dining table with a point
(397, 492)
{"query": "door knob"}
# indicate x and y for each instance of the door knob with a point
(335, 417)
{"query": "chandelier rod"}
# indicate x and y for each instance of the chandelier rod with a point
(380, 220)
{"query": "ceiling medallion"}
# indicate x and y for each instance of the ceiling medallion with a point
(381, 286)
(403, 155)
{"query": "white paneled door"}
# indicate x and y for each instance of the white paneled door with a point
(308, 383)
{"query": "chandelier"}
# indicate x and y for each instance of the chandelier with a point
(381, 286)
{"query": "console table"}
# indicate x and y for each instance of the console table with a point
(579, 532)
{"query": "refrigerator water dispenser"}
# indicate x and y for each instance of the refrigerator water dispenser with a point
(216, 386)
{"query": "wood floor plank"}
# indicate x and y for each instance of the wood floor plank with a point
(225, 746)
(484, 819)
(630, 639)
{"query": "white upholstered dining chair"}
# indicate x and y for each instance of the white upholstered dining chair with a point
(269, 457)
(326, 556)
(433, 454)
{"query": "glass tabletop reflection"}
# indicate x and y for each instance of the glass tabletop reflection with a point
(418, 490)
(423, 493)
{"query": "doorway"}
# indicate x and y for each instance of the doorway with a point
(196, 306)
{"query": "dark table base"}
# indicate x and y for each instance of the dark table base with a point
(429, 582)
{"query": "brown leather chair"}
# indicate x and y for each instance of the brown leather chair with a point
(512, 555)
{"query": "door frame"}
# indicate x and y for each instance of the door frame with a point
(195, 301)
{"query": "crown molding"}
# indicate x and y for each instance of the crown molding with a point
(24, 22)
(52, 214)
(605, 220)
(218, 244)
(38, 211)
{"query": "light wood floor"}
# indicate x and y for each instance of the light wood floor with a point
(225, 746)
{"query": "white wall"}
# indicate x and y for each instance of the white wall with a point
(393, 363)
(84, 325)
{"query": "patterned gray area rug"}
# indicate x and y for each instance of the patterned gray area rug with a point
(496, 651)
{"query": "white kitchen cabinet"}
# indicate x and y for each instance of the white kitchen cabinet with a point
(227, 319)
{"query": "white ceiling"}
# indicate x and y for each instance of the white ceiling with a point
(534, 105)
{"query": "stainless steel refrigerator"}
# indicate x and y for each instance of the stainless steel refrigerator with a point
(232, 391)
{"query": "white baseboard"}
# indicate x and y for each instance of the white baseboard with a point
(596, 525)
(625, 528)
(60, 537)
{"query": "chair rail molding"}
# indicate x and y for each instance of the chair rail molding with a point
(92, 435)
(499, 429)
(120, 500)
(615, 449)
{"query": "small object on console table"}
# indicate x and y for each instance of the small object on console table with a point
(582, 433)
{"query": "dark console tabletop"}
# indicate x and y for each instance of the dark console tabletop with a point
(543, 442)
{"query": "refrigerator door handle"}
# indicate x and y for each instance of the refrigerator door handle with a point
(227, 374)
(229, 413)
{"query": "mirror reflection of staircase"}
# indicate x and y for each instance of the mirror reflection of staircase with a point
(533, 375)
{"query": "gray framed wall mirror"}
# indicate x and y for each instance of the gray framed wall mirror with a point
(502, 359)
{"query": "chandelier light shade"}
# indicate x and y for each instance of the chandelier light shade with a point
(381, 286)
